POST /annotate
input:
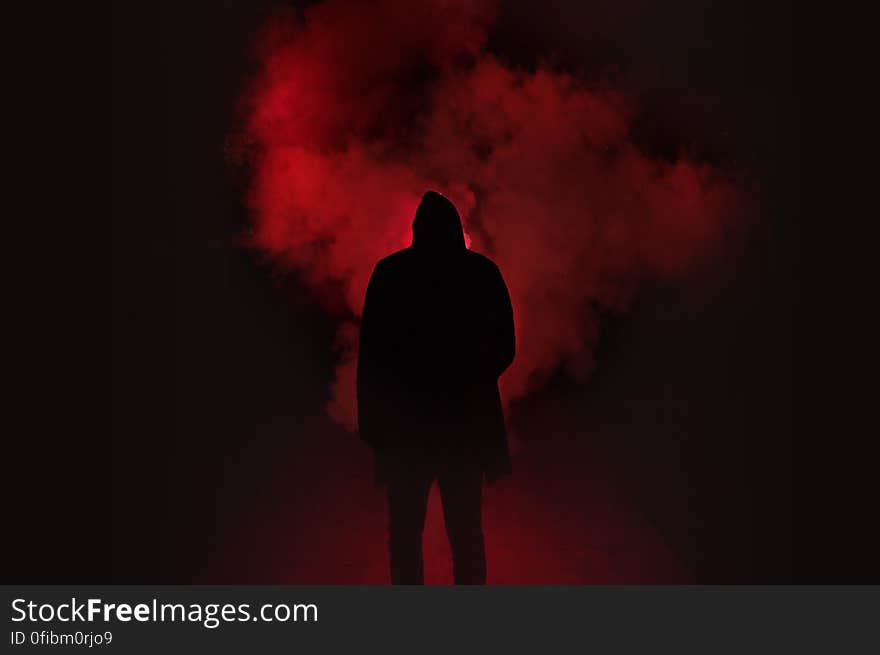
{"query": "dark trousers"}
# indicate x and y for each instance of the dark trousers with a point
(409, 481)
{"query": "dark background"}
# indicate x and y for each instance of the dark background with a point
(220, 365)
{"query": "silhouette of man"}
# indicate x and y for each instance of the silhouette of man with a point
(436, 334)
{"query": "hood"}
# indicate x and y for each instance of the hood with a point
(437, 225)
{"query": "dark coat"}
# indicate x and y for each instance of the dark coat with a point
(437, 332)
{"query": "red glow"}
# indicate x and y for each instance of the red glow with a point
(557, 521)
(350, 131)
(357, 109)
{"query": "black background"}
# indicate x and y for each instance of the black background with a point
(207, 342)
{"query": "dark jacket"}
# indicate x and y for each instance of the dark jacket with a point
(437, 332)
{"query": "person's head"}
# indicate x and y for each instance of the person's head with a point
(437, 225)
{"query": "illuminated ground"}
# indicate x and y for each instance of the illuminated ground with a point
(564, 523)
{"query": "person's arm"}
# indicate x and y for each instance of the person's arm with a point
(503, 333)
(369, 364)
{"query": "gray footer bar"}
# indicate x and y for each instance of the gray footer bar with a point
(319, 619)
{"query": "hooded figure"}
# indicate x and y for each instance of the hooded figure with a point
(437, 332)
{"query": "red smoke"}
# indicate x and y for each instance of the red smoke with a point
(360, 106)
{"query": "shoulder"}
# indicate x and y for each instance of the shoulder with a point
(481, 262)
(393, 261)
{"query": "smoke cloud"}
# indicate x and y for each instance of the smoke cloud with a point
(360, 106)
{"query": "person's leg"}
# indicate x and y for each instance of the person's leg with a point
(408, 487)
(461, 489)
